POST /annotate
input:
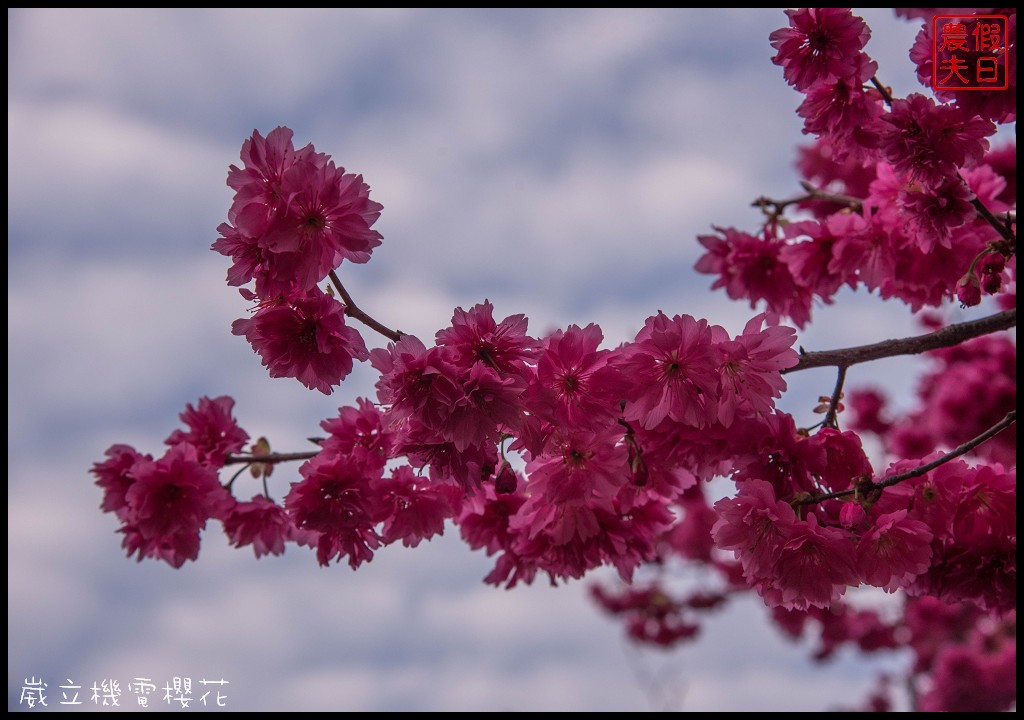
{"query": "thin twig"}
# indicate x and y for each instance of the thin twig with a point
(1007, 421)
(882, 89)
(813, 193)
(945, 337)
(818, 194)
(353, 311)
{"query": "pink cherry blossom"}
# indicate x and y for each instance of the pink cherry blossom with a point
(978, 676)
(487, 404)
(581, 467)
(411, 508)
(673, 370)
(750, 377)
(326, 220)
(691, 537)
(755, 526)
(810, 260)
(261, 523)
(475, 337)
(113, 476)
(360, 433)
(264, 164)
(841, 108)
(821, 44)
(836, 459)
(863, 251)
(425, 447)
(928, 141)
(576, 385)
(169, 504)
(295, 217)
(894, 551)
(934, 213)
(867, 406)
(652, 615)
(772, 450)
(336, 500)
(824, 166)
(212, 430)
(416, 382)
(996, 105)
(815, 566)
(304, 337)
(752, 268)
(484, 518)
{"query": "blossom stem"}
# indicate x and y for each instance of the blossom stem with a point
(882, 89)
(235, 476)
(833, 407)
(1003, 229)
(945, 337)
(1007, 421)
(353, 311)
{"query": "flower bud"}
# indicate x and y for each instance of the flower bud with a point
(968, 292)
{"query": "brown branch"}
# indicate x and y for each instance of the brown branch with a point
(945, 337)
(813, 193)
(1007, 421)
(270, 457)
(354, 312)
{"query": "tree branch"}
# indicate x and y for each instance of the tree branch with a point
(353, 311)
(945, 337)
(270, 457)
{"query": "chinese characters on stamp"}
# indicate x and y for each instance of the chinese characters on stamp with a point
(969, 52)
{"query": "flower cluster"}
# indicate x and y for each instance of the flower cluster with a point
(295, 218)
(164, 504)
(900, 182)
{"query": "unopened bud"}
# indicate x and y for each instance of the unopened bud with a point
(968, 292)
(505, 483)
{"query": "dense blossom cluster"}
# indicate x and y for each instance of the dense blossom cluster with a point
(558, 455)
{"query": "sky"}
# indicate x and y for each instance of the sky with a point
(558, 163)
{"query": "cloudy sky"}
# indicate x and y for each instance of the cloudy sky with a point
(559, 163)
